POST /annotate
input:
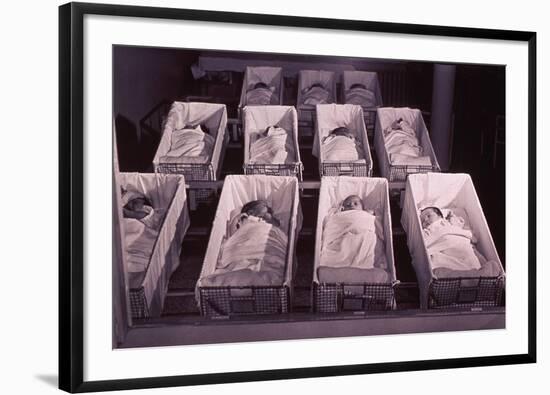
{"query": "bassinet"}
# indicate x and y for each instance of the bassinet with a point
(257, 118)
(307, 78)
(282, 195)
(370, 80)
(148, 288)
(384, 118)
(214, 117)
(271, 76)
(331, 116)
(346, 296)
(448, 191)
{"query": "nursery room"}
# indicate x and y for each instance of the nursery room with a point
(329, 196)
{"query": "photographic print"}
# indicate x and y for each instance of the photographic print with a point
(228, 187)
(265, 188)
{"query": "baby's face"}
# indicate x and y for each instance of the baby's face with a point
(136, 204)
(428, 217)
(352, 203)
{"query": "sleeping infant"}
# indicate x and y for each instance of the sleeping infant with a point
(316, 94)
(403, 146)
(260, 94)
(358, 94)
(137, 206)
(449, 244)
(341, 145)
(255, 211)
(352, 237)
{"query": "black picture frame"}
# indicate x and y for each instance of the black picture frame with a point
(71, 204)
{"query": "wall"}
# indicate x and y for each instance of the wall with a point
(29, 290)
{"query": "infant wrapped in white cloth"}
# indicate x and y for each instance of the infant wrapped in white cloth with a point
(141, 227)
(255, 252)
(449, 244)
(260, 95)
(359, 95)
(353, 238)
(315, 94)
(272, 146)
(341, 145)
(402, 145)
(191, 144)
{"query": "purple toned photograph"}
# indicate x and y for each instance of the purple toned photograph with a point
(270, 196)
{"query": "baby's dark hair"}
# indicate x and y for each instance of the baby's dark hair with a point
(317, 85)
(203, 126)
(435, 209)
(146, 201)
(341, 131)
(358, 86)
(254, 207)
(260, 85)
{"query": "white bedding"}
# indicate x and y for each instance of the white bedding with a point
(261, 96)
(451, 246)
(361, 97)
(315, 95)
(254, 255)
(189, 144)
(353, 239)
(342, 148)
(273, 146)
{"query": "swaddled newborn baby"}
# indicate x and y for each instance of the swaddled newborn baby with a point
(273, 145)
(358, 94)
(449, 245)
(403, 146)
(190, 144)
(315, 94)
(255, 251)
(352, 237)
(256, 211)
(261, 94)
(341, 145)
(141, 226)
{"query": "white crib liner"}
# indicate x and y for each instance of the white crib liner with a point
(375, 196)
(281, 193)
(271, 76)
(367, 78)
(164, 191)
(331, 116)
(257, 118)
(213, 115)
(307, 78)
(442, 190)
(384, 118)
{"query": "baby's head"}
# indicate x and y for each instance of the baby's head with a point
(317, 85)
(429, 215)
(342, 131)
(260, 209)
(261, 85)
(352, 202)
(202, 126)
(357, 86)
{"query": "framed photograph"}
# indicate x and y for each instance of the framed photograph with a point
(249, 197)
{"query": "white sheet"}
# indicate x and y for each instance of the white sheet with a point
(445, 191)
(375, 197)
(212, 115)
(189, 143)
(165, 191)
(255, 121)
(353, 239)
